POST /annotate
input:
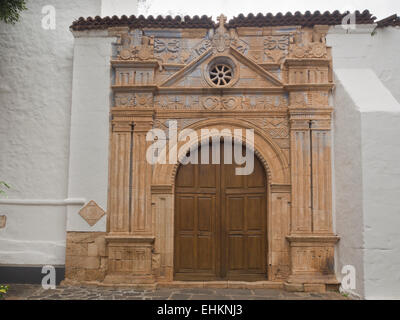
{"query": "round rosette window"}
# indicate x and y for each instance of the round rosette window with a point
(221, 72)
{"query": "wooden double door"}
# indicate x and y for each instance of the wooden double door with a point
(220, 221)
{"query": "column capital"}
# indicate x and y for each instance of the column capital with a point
(310, 114)
(121, 125)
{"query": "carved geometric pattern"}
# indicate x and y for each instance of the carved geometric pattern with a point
(213, 102)
(92, 213)
(276, 127)
(181, 124)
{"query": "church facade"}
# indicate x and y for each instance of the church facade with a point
(282, 88)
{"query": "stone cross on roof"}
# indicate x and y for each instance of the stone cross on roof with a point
(221, 19)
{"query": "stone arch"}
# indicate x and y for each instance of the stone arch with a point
(273, 159)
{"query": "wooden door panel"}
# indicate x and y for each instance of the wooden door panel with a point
(236, 253)
(187, 176)
(220, 222)
(255, 252)
(205, 254)
(185, 205)
(235, 216)
(254, 220)
(257, 178)
(207, 176)
(231, 179)
(206, 213)
(186, 254)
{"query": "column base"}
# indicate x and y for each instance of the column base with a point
(129, 259)
(312, 263)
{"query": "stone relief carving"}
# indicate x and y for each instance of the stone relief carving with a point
(311, 98)
(92, 213)
(128, 51)
(133, 99)
(220, 40)
(277, 42)
(276, 48)
(318, 98)
(276, 127)
(214, 102)
(181, 124)
(168, 50)
(312, 46)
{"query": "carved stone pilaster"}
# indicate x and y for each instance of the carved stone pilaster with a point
(311, 238)
(300, 145)
(321, 177)
(119, 177)
(280, 227)
(141, 222)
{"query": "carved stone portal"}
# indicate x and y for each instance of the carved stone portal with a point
(274, 81)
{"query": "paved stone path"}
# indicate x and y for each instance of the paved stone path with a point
(36, 292)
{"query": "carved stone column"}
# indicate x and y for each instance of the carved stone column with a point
(120, 163)
(321, 176)
(311, 239)
(142, 220)
(301, 176)
(130, 240)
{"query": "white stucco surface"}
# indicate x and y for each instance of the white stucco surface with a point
(119, 7)
(347, 191)
(381, 189)
(34, 234)
(35, 102)
(367, 181)
(369, 48)
(88, 166)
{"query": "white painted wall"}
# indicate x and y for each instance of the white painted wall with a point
(347, 191)
(88, 166)
(35, 104)
(119, 7)
(359, 49)
(366, 151)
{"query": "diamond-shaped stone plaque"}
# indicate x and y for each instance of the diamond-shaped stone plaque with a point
(92, 213)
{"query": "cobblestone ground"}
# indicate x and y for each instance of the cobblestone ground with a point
(36, 292)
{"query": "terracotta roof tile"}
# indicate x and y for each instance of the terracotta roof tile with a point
(391, 21)
(307, 19)
(142, 22)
